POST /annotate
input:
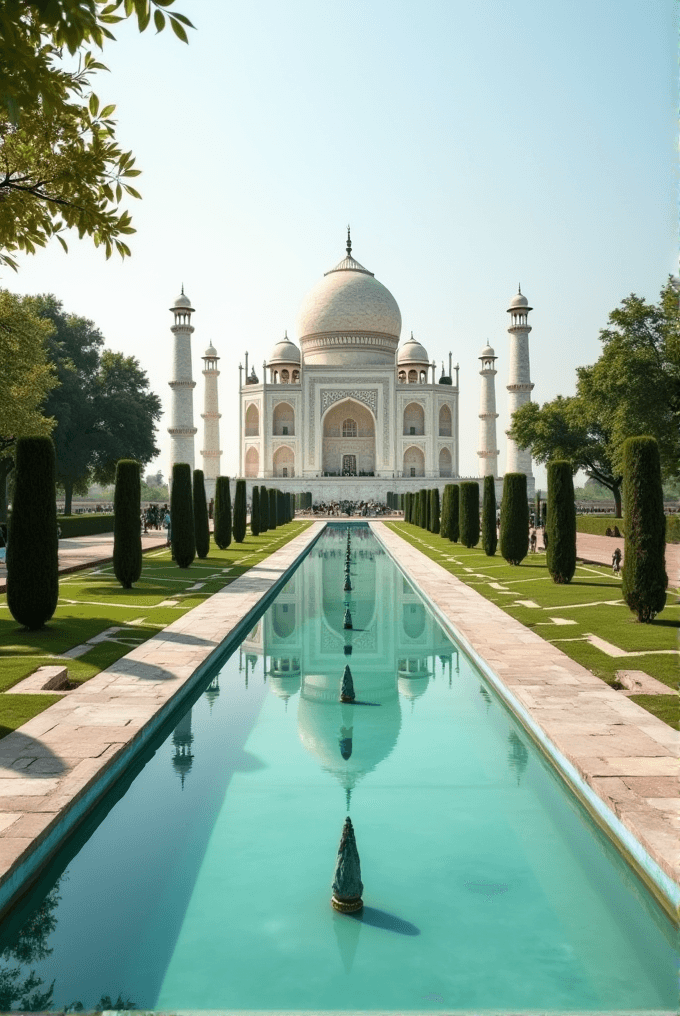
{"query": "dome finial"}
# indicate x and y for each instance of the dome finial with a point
(519, 288)
(349, 244)
(182, 289)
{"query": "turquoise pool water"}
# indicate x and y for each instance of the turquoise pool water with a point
(206, 884)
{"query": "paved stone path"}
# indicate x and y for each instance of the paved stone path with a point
(626, 755)
(61, 759)
(85, 551)
(599, 550)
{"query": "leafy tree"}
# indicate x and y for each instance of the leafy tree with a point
(264, 509)
(489, 535)
(255, 511)
(514, 518)
(201, 522)
(32, 546)
(27, 378)
(222, 529)
(561, 528)
(182, 515)
(29, 945)
(644, 569)
(239, 526)
(433, 515)
(62, 164)
(127, 537)
(469, 513)
(103, 408)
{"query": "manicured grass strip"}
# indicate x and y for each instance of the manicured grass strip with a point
(591, 603)
(666, 707)
(92, 601)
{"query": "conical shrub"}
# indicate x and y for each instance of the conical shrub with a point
(264, 509)
(239, 524)
(445, 520)
(182, 515)
(644, 568)
(469, 513)
(222, 528)
(255, 511)
(454, 525)
(561, 527)
(489, 535)
(433, 517)
(201, 524)
(514, 518)
(423, 508)
(272, 508)
(33, 545)
(127, 533)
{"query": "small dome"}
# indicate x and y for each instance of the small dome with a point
(285, 351)
(486, 352)
(412, 352)
(210, 351)
(519, 300)
(183, 300)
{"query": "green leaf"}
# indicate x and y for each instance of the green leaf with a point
(178, 30)
(93, 104)
(159, 20)
(107, 111)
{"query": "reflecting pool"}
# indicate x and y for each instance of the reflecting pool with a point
(203, 882)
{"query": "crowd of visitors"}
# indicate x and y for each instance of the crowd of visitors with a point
(338, 508)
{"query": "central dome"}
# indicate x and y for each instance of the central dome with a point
(349, 318)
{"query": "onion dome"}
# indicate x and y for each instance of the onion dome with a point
(486, 352)
(211, 351)
(413, 352)
(285, 351)
(519, 301)
(183, 300)
(349, 318)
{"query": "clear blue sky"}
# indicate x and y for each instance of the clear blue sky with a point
(470, 145)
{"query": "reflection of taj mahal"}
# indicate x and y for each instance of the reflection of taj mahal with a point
(349, 412)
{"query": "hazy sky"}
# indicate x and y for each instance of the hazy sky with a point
(470, 145)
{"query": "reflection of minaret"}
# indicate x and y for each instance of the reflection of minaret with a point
(518, 756)
(212, 691)
(211, 422)
(182, 738)
(182, 428)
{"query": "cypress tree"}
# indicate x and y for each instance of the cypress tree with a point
(415, 510)
(422, 508)
(489, 536)
(433, 518)
(514, 518)
(264, 509)
(445, 521)
(454, 525)
(561, 528)
(537, 509)
(544, 513)
(33, 544)
(644, 570)
(222, 530)
(182, 515)
(407, 507)
(127, 533)
(469, 513)
(255, 511)
(272, 508)
(280, 513)
(239, 524)
(201, 525)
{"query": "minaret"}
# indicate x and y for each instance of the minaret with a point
(488, 453)
(519, 380)
(211, 422)
(182, 428)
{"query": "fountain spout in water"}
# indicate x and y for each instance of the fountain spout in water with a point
(347, 884)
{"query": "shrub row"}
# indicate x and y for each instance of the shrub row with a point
(84, 525)
(598, 525)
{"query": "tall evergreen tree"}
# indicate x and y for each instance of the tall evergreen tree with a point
(454, 525)
(255, 511)
(561, 528)
(264, 509)
(433, 516)
(644, 569)
(423, 508)
(445, 521)
(407, 506)
(272, 507)
(469, 513)
(222, 529)
(32, 547)
(201, 523)
(239, 523)
(280, 512)
(182, 515)
(489, 536)
(127, 533)
(514, 518)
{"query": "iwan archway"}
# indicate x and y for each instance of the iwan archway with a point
(348, 440)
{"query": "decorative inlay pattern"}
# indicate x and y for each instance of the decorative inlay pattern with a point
(339, 394)
(369, 398)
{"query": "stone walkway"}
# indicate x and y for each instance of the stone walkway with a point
(85, 551)
(58, 764)
(626, 755)
(599, 550)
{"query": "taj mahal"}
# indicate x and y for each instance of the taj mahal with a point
(346, 411)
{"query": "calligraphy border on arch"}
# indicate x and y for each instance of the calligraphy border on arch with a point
(347, 393)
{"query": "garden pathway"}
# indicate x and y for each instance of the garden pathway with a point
(599, 550)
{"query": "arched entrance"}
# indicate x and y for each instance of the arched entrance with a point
(252, 462)
(283, 419)
(252, 421)
(414, 462)
(284, 461)
(445, 462)
(348, 440)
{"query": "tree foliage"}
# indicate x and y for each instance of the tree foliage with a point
(561, 523)
(201, 521)
(127, 536)
(469, 513)
(271, 497)
(222, 528)
(239, 523)
(445, 520)
(182, 515)
(264, 509)
(489, 534)
(62, 164)
(514, 518)
(255, 511)
(644, 569)
(32, 547)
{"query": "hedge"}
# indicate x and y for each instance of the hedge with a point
(264, 509)
(201, 524)
(238, 527)
(445, 520)
(183, 537)
(514, 518)
(469, 513)
(423, 508)
(644, 569)
(271, 497)
(597, 525)
(127, 532)
(561, 523)
(84, 525)
(222, 528)
(433, 517)
(489, 534)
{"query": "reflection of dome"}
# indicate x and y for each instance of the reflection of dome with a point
(349, 302)
(285, 687)
(412, 352)
(413, 686)
(285, 351)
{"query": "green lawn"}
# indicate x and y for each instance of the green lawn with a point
(92, 601)
(591, 604)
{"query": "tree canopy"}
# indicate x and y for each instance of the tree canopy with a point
(60, 163)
